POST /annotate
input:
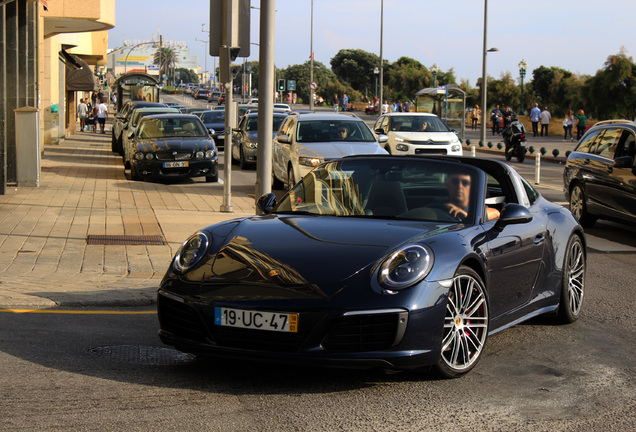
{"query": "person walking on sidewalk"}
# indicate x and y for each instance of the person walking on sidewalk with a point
(102, 115)
(82, 112)
(535, 115)
(545, 121)
(568, 122)
(580, 124)
(476, 115)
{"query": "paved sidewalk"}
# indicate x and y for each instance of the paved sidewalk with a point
(45, 259)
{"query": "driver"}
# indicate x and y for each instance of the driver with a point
(423, 126)
(458, 186)
(343, 132)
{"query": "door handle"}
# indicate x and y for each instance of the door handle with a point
(539, 239)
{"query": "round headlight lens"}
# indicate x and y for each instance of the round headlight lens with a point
(149, 156)
(199, 154)
(405, 267)
(209, 154)
(191, 252)
(139, 155)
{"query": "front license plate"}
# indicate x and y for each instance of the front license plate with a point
(175, 164)
(256, 320)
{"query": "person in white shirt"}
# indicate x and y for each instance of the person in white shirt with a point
(545, 121)
(535, 114)
(82, 112)
(385, 107)
(102, 115)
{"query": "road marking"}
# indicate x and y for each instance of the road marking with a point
(72, 312)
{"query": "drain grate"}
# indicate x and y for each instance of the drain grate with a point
(142, 355)
(134, 240)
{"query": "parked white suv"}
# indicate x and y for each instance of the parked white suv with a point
(417, 133)
(304, 141)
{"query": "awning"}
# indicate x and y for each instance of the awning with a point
(79, 75)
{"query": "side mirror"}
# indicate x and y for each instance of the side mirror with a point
(623, 162)
(513, 213)
(383, 138)
(211, 131)
(266, 203)
(379, 131)
(284, 139)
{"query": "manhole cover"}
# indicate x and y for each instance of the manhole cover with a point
(132, 240)
(143, 355)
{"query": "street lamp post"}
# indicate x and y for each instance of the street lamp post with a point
(434, 69)
(153, 43)
(381, 57)
(376, 71)
(205, 72)
(523, 67)
(484, 76)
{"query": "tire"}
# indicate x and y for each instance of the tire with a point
(291, 181)
(120, 146)
(242, 162)
(126, 164)
(521, 154)
(134, 173)
(508, 153)
(465, 324)
(579, 208)
(214, 178)
(388, 150)
(276, 184)
(573, 281)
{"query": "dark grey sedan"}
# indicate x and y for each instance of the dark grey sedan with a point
(173, 146)
(245, 138)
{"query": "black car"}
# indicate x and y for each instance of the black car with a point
(121, 119)
(173, 146)
(599, 179)
(245, 138)
(215, 120)
(377, 261)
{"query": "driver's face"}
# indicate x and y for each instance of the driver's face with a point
(459, 189)
(343, 132)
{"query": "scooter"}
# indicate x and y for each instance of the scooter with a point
(514, 135)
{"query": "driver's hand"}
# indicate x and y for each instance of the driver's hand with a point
(455, 211)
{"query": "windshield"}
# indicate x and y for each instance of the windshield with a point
(185, 127)
(252, 123)
(385, 188)
(213, 117)
(418, 124)
(333, 130)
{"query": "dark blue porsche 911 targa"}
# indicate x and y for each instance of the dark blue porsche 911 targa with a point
(377, 261)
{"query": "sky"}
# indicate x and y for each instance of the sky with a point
(576, 35)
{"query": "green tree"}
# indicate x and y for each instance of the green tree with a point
(405, 77)
(542, 81)
(187, 76)
(328, 84)
(503, 92)
(355, 67)
(166, 59)
(611, 93)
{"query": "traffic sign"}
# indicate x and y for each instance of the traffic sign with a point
(291, 85)
(313, 85)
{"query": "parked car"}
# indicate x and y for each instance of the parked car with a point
(416, 134)
(214, 121)
(122, 117)
(362, 265)
(282, 106)
(214, 96)
(599, 179)
(202, 94)
(173, 146)
(304, 141)
(245, 138)
(129, 130)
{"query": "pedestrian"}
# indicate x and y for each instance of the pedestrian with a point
(476, 115)
(102, 115)
(535, 115)
(398, 106)
(385, 107)
(82, 112)
(393, 107)
(568, 123)
(336, 102)
(345, 102)
(495, 116)
(580, 124)
(406, 107)
(545, 121)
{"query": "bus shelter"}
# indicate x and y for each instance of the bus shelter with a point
(136, 86)
(447, 102)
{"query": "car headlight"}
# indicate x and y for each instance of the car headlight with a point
(191, 252)
(402, 147)
(149, 156)
(309, 161)
(251, 145)
(405, 267)
(209, 154)
(456, 147)
(139, 155)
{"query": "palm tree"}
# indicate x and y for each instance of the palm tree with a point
(166, 58)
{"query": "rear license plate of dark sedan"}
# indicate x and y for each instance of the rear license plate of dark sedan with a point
(175, 164)
(256, 320)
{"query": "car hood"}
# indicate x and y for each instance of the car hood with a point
(307, 251)
(426, 136)
(333, 150)
(175, 144)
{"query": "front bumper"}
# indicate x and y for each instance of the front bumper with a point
(195, 168)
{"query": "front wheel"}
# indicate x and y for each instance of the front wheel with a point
(579, 208)
(508, 153)
(521, 154)
(573, 281)
(291, 180)
(465, 324)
